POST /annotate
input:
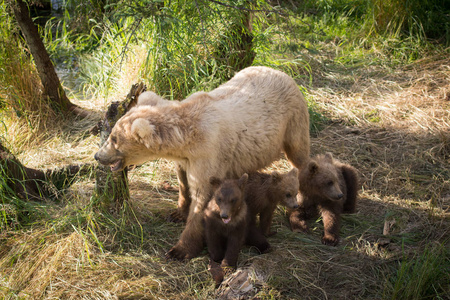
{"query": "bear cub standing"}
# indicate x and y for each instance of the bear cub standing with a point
(226, 220)
(329, 187)
(265, 191)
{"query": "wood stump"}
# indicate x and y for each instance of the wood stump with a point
(111, 188)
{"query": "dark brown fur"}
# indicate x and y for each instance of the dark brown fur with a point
(265, 191)
(184, 198)
(226, 220)
(330, 188)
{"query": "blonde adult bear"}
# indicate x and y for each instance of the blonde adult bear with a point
(239, 127)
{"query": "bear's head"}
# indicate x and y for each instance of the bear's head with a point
(229, 197)
(285, 187)
(132, 141)
(321, 177)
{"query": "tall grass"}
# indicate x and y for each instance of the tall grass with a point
(422, 19)
(171, 49)
(15, 211)
(372, 31)
(424, 276)
(171, 45)
(25, 116)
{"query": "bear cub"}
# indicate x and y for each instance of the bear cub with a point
(265, 191)
(328, 187)
(226, 220)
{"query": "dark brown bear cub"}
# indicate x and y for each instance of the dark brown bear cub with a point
(329, 187)
(265, 191)
(226, 220)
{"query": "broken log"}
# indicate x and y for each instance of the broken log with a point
(33, 184)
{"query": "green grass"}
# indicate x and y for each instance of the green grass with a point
(424, 276)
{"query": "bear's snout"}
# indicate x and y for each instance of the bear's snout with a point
(225, 218)
(96, 156)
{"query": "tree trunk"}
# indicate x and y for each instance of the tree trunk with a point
(50, 81)
(32, 184)
(111, 188)
(235, 49)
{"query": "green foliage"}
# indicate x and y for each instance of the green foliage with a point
(194, 45)
(190, 46)
(423, 19)
(366, 31)
(123, 227)
(15, 211)
(425, 276)
(16, 82)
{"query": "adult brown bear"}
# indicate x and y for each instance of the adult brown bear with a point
(239, 127)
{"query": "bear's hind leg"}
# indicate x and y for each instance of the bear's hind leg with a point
(297, 154)
(265, 220)
(296, 143)
(191, 241)
(255, 238)
(352, 185)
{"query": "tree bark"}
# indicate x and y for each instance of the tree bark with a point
(235, 50)
(111, 188)
(50, 81)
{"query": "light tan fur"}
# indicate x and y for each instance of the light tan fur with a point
(152, 99)
(240, 127)
(184, 198)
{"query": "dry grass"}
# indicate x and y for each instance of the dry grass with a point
(392, 125)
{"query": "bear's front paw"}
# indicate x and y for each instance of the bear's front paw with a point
(216, 271)
(178, 253)
(265, 248)
(299, 226)
(330, 240)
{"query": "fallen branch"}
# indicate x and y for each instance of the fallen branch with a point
(34, 184)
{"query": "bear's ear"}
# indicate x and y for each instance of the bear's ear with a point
(329, 156)
(150, 99)
(276, 177)
(142, 130)
(243, 181)
(313, 167)
(293, 172)
(215, 182)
